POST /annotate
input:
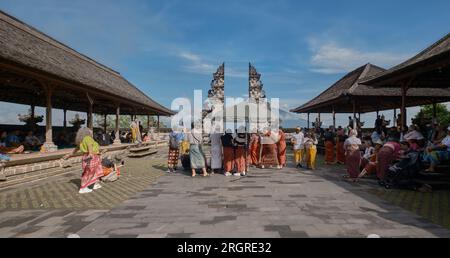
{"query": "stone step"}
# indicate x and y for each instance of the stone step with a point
(32, 177)
(143, 154)
(139, 149)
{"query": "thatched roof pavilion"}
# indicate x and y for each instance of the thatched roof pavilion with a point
(38, 70)
(349, 95)
(428, 69)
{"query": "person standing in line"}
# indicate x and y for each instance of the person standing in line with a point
(329, 146)
(240, 143)
(281, 145)
(196, 154)
(175, 139)
(254, 149)
(353, 155)
(311, 142)
(269, 149)
(228, 152)
(216, 150)
(299, 147)
(91, 161)
(340, 151)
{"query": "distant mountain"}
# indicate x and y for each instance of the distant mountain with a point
(291, 120)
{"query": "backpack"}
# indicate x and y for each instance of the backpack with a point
(173, 142)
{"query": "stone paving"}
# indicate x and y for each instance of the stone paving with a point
(267, 203)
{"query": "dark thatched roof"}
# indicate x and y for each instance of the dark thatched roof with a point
(24, 46)
(429, 68)
(349, 88)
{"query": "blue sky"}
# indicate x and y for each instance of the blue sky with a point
(169, 48)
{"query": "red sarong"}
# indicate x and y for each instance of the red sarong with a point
(340, 152)
(228, 159)
(240, 159)
(254, 154)
(269, 155)
(329, 152)
(92, 170)
(353, 162)
(385, 158)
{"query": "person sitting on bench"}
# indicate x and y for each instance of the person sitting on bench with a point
(438, 153)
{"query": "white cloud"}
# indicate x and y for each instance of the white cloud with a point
(330, 58)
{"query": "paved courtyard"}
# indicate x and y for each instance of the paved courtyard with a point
(267, 203)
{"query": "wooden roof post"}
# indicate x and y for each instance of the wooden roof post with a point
(308, 121)
(65, 118)
(334, 118)
(90, 118)
(395, 117)
(158, 129)
(148, 124)
(105, 127)
(355, 124)
(405, 86)
(49, 146)
(117, 137)
(434, 112)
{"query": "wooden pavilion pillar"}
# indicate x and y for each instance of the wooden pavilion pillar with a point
(308, 121)
(49, 146)
(65, 119)
(105, 127)
(334, 118)
(148, 123)
(117, 128)
(355, 124)
(158, 129)
(90, 118)
(403, 108)
(395, 117)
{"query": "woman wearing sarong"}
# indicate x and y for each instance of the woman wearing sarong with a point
(310, 143)
(196, 154)
(438, 153)
(329, 146)
(175, 139)
(353, 155)
(269, 150)
(340, 151)
(369, 161)
(228, 152)
(388, 153)
(240, 143)
(91, 161)
(216, 151)
(254, 149)
(281, 145)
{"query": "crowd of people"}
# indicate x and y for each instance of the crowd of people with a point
(233, 153)
(387, 149)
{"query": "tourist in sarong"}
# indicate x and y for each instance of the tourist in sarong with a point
(175, 138)
(228, 152)
(438, 153)
(254, 149)
(4, 149)
(281, 146)
(340, 140)
(239, 158)
(135, 133)
(329, 138)
(387, 154)
(353, 155)
(197, 156)
(299, 147)
(269, 149)
(91, 161)
(216, 150)
(310, 143)
(369, 161)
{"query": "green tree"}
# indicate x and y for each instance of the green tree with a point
(425, 115)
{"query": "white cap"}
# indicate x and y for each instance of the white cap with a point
(448, 128)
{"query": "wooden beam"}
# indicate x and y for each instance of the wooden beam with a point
(117, 137)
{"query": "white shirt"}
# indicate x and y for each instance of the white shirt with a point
(413, 135)
(369, 152)
(446, 142)
(299, 140)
